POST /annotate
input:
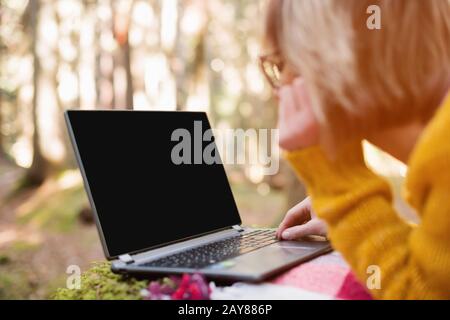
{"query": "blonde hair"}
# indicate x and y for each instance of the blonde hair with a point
(365, 79)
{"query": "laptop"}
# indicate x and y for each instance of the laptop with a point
(156, 216)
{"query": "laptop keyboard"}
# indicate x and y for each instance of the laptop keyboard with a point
(213, 252)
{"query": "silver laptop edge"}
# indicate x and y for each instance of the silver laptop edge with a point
(176, 247)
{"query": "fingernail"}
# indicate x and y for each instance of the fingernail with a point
(286, 235)
(298, 81)
(282, 91)
(276, 93)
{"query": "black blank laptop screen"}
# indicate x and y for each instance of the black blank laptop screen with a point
(142, 199)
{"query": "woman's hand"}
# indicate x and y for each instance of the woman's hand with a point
(300, 221)
(297, 124)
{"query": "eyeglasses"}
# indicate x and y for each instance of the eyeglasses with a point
(271, 66)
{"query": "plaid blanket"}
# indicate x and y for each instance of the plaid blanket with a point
(326, 277)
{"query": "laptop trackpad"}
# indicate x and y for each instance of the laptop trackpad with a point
(271, 257)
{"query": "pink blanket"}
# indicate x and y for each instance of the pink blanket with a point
(329, 275)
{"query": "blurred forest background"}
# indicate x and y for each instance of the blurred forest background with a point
(113, 54)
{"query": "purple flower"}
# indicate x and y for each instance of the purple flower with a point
(186, 287)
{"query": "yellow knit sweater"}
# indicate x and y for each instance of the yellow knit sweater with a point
(364, 227)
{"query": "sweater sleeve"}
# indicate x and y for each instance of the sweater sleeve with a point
(413, 262)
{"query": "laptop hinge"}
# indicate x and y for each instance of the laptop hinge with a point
(238, 228)
(126, 258)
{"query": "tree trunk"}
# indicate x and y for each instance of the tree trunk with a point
(2, 149)
(2, 138)
(39, 168)
(127, 62)
(123, 58)
(178, 68)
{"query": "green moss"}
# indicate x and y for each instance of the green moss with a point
(14, 285)
(4, 259)
(99, 283)
(21, 246)
(59, 211)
